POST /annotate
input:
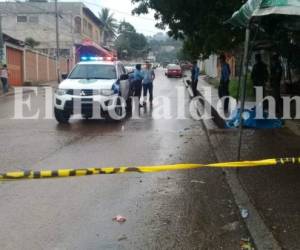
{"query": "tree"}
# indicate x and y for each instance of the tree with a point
(130, 44)
(110, 25)
(200, 23)
(165, 49)
(31, 42)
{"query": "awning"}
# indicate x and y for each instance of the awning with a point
(90, 48)
(258, 8)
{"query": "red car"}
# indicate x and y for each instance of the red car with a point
(174, 70)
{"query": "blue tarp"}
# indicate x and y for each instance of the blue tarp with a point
(250, 120)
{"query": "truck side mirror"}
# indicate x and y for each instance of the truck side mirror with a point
(64, 76)
(124, 77)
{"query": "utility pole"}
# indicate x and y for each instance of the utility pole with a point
(1, 42)
(57, 42)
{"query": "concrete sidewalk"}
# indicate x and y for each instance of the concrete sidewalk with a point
(12, 92)
(273, 192)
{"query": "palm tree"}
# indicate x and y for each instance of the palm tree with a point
(110, 25)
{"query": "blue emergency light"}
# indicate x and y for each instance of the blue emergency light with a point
(96, 58)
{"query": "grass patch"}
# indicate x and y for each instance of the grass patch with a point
(234, 87)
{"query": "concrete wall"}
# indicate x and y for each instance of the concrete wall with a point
(211, 66)
(41, 68)
(31, 69)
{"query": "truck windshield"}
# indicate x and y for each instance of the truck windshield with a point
(87, 71)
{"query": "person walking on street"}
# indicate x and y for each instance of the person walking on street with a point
(195, 77)
(275, 80)
(149, 77)
(4, 78)
(260, 74)
(138, 78)
(224, 81)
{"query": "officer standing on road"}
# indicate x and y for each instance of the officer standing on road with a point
(149, 77)
(195, 77)
(138, 78)
(224, 81)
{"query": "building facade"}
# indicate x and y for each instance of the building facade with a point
(36, 20)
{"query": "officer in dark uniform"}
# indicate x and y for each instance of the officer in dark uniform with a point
(275, 80)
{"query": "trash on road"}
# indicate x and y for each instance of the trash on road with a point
(122, 237)
(246, 244)
(231, 226)
(119, 218)
(244, 213)
(196, 181)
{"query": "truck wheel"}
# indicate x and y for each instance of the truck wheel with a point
(119, 111)
(61, 116)
(129, 104)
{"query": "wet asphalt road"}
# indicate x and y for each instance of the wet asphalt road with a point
(179, 210)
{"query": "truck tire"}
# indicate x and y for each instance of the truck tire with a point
(61, 116)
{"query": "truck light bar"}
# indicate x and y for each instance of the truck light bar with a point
(96, 58)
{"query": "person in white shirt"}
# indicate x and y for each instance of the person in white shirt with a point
(4, 78)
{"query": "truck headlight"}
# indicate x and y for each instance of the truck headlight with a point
(106, 92)
(61, 91)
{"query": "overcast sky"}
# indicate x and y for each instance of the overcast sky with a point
(122, 9)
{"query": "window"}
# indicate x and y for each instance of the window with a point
(34, 19)
(21, 19)
(85, 26)
(64, 52)
(122, 69)
(77, 21)
(90, 30)
(94, 71)
(97, 36)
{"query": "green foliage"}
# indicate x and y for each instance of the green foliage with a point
(130, 44)
(110, 25)
(234, 87)
(165, 50)
(31, 42)
(200, 23)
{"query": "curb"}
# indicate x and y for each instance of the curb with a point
(260, 234)
(219, 121)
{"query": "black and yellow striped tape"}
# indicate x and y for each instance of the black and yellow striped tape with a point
(63, 173)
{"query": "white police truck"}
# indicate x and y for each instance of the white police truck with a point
(95, 86)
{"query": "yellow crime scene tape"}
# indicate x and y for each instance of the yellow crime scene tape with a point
(63, 173)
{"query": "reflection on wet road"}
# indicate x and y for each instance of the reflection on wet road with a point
(163, 211)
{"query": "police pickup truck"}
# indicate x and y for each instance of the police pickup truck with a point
(94, 86)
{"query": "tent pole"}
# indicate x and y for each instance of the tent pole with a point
(240, 79)
(243, 88)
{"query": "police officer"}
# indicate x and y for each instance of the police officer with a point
(275, 80)
(224, 81)
(195, 77)
(138, 78)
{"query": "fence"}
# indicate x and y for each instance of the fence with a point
(211, 66)
(40, 68)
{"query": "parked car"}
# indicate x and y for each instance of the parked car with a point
(186, 66)
(129, 68)
(174, 70)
